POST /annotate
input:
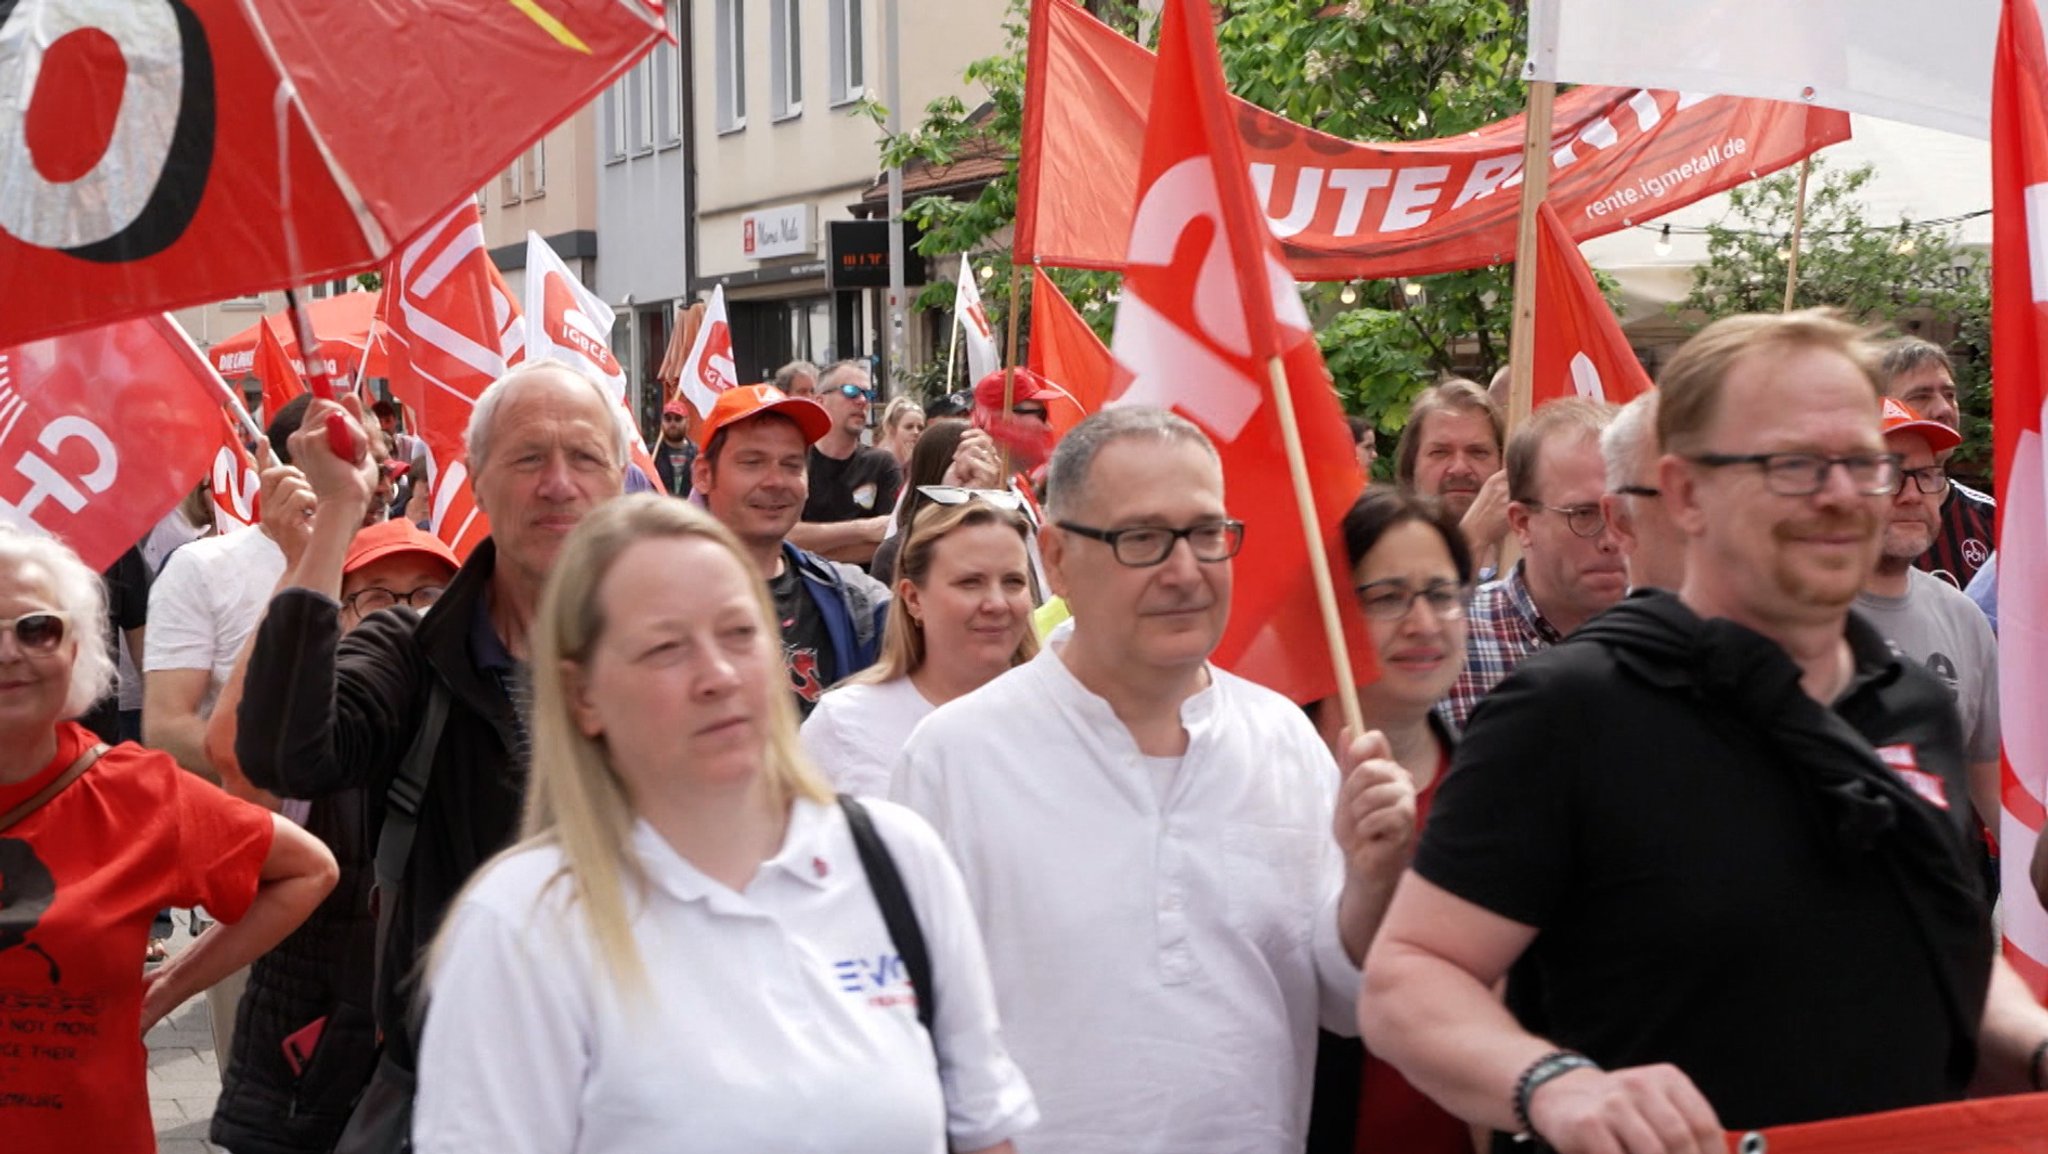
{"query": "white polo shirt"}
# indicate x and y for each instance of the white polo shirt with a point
(1161, 959)
(207, 601)
(857, 732)
(779, 1019)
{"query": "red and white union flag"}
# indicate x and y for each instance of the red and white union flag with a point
(2019, 317)
(1580, 349)
(709, 368)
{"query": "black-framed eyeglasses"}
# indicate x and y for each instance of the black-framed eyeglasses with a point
(1032, 409)
(364, 602)
(856, 393)
(1804, 474)
(1639, 491)
(1143, 546)
(1393, 600)
(39, 632)
(1930, 479)
(1584, 520)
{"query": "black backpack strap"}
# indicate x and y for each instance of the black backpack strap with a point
(402, 815)
(897, 913)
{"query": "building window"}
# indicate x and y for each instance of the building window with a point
(849, 60)
(483, 199)
(640, 101)
(785, 58)
(537, 169)
(615, 121)
(512, 183)
(668, 66)
(731, 41)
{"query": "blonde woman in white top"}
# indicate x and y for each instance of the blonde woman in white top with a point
(961, 617)
(684, 953)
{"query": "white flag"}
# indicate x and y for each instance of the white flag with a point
(982, 357)
(708, 370)
(566, 321)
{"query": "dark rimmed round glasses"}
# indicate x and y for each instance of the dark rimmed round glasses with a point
(1804, 474)
(1931, 480)
(1584, 520)
(40, 632)
(367, 601)
(1143, 546)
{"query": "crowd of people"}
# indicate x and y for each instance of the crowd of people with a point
(874, 789)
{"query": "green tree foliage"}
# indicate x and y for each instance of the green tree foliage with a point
(1897, 276)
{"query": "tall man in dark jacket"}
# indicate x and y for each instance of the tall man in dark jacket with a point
(322, 713)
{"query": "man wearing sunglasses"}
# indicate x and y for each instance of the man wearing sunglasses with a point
(1926, 618)
(853, 486)
(1571, 566)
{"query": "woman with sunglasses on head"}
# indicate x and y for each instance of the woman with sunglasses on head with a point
(686, 952)
(951, 453)
(961, 617)
(1411, 570)
(93, 842)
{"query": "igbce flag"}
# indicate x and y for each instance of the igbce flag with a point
(447, 315)
(103, 431)
(1207, 306)
(2019, 348)
(1580, 349)
(566, 321)
(708, 369)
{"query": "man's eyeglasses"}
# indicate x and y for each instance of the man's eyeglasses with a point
(364, 602)
(1639, 491)
(1147, 545)
(1393, 600)
(1584, 520)
(1931, 480)
(856, 393)
(1804, 474)
(1032, 409)
(40, 632)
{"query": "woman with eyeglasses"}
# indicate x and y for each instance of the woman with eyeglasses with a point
(951, 453)
(93, 842)
(686, 952)
(1411, 569)
(962, 616)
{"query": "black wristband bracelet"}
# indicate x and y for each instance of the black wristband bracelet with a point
(1551, 1065)
(2035, 1074)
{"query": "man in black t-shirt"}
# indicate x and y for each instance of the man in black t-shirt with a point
(1715, 841)
(676, 452)
(852, 486)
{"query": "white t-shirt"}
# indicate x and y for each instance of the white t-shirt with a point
(778, 1019)
(857, 732)
(1161, 963)
(207, 601)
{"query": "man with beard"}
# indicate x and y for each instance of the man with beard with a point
(1919, 373)
(677, 452)
(852, 486)
(1571, 566)
(1733, 887)
(1925, 618)
(1451, 450)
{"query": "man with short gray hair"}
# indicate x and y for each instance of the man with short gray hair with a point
(1920, 373)
(1634, 504)
(797, 379)
(1147, 838)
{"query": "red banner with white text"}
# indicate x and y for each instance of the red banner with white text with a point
(1346, 210)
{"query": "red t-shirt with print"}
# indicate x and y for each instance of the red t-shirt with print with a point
(80, 881)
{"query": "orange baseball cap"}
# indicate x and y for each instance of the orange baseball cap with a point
(745, 402)
(389, 538)
(1899, 417)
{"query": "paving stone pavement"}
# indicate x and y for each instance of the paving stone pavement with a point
(184, 1076)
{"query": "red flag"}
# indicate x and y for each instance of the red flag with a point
(276, 368)
(103, 431)
(708, 368)
(446, 313)
(2019, 350)
(1207, 306)
(235, 480)
(2017, 1124)
(1580, 349)
(1065, 351)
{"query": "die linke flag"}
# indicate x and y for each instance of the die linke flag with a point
(708, 369)
(1067, 353)
(1207, 307)
(2019, 349)
(103, 431)
(975, 333)
(452, 328)
(1580, 349)
(567, 321)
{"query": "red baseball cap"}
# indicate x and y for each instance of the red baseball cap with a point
(1899, 417)
(390, 538)
(1029, 386)
(678, 408)
(745, 402)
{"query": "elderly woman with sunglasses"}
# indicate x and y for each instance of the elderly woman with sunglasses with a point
(962, 616)
(93, 841)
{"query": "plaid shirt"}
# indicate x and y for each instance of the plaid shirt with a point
(1502, 626)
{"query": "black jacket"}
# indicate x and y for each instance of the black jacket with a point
(323, 713)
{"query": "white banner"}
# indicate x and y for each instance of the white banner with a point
(982, 357)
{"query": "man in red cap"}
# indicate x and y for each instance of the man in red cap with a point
(1927, 619)
(753, 474)
(1026, 430)
(677, 452)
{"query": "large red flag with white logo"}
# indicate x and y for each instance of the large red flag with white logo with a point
(566, 321)
(103, 431)
(709, 369)
(1066, 352)
(1580, 349)
(1207, 307)
(2019, 291)
(447, 316)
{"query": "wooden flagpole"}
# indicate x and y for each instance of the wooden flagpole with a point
(1010, 358)
(1318, 555)
(1535, 186)
(953, 346)
(1798, 228)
